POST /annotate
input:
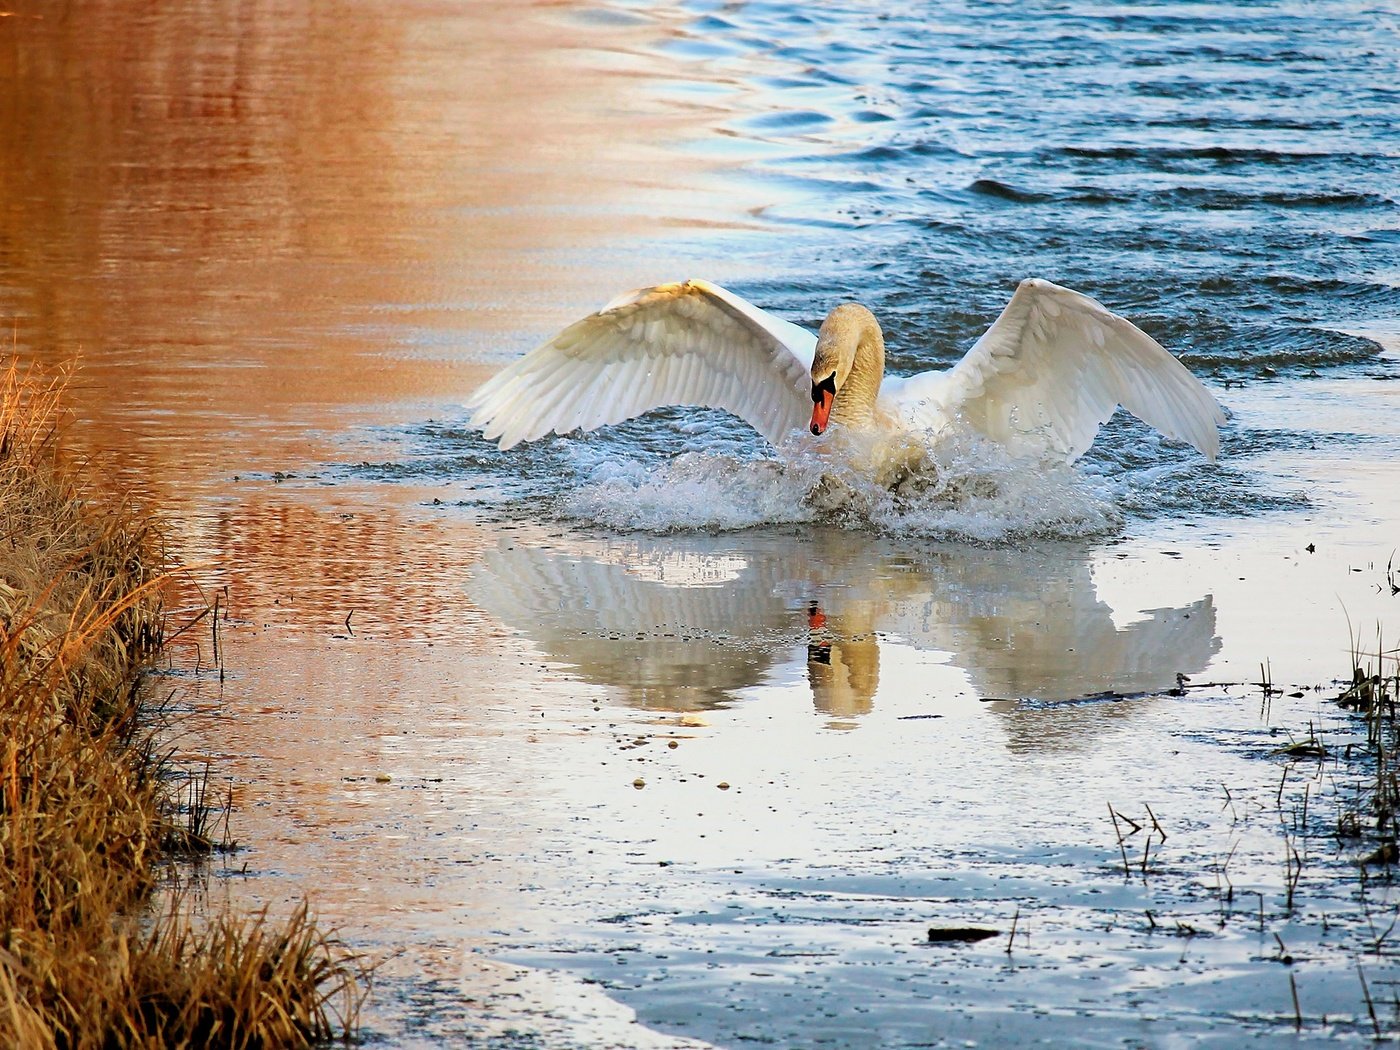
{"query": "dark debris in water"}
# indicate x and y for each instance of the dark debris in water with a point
(959, 934)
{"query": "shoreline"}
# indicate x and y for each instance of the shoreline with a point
(94, 811)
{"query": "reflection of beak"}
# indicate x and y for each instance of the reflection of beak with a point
(823, 394)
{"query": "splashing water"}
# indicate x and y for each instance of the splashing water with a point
(938, 486)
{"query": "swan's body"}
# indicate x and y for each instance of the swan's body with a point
(1041, 380)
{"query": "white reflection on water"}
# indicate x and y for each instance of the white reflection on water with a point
(686, 623)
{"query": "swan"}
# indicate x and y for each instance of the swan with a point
(1051, 369)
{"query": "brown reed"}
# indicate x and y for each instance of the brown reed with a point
(88, 812)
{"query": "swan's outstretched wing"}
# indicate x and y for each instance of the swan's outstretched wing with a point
(676, 344)
(1052, 368)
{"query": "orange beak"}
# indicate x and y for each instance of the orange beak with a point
(823, 394)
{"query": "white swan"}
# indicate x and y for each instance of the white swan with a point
(1041, 380)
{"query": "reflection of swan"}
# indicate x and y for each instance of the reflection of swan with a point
(1142, 658)
(1041, 380)
(645, 618)
(666, 639)
(843, 666)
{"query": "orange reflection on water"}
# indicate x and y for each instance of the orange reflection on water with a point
(311, 565)
(258, 224)
(261, 228)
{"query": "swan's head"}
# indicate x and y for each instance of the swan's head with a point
(841, 336)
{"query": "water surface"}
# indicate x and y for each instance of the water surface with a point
(286, 242)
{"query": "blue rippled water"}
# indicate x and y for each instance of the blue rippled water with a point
(1225, 174)
(1228, 176)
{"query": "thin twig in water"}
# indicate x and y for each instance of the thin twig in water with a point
(1370, 1006)
(1014, 919)
(1229, 802)
(1224, 887)
(1155, 826)
(1123, 850)
(1162, 837)
(1293, 869)
(176, 634)
(1380, 940)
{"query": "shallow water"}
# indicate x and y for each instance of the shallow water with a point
(287, 244)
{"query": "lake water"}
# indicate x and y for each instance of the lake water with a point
(285, 242)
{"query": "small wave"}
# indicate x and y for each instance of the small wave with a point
(1259, 289)
(788, 120)
(1152, 479)
(1098, 195)
(1376, 236)
(1203, 198)
(1222, 154)
(1236, 200)
(712, 24)
(698, 48)
(1215, 123)
(1276, 349)
(1224, 492)
(900, 152)
(1002, 191)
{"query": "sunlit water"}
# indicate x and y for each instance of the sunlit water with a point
(288, 244)
(1225, 176)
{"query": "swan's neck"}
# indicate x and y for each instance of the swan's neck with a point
(855, 399)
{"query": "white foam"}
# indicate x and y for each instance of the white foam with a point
(947, 486)
(696, 491)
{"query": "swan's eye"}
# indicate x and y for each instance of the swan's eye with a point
(827, 385)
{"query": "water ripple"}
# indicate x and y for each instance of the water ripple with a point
(1154, 155)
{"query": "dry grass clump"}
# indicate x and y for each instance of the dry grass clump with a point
(239, 983)
(77, 598)
(87, 811)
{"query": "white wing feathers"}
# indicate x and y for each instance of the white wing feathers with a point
(676, 344)
(1052, 368)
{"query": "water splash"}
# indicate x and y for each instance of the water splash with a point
(949, 485)
(694, 491)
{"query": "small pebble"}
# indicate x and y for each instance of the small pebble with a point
(723, 785)
(639, 783)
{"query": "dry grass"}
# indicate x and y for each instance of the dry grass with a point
(87, 813)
